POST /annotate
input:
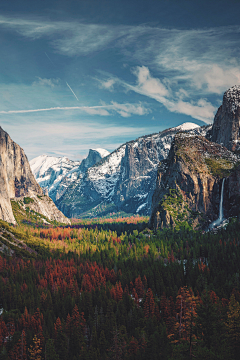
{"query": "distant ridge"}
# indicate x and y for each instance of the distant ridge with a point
(124, 180)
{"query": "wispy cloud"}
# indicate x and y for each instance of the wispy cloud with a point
(127, 110)
(93, 109)
(153, 88)
(46, 82)
(108, 84)
(199, 62)
(124, 110)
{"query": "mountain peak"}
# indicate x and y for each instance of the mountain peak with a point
(102, 152)
(231, 98)
(226, 125)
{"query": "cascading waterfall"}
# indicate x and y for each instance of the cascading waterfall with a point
(220, 217)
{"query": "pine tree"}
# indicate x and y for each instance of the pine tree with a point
(50, 351)
(149, 305)
(208, 323)
(233, 325)
(102, 343)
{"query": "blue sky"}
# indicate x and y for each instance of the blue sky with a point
(84, 74)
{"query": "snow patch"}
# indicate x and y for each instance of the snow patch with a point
(102, 152)
(186, 126)
(140, 207)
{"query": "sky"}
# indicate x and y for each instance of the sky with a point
(84, 74)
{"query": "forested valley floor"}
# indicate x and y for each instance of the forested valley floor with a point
(113, 289)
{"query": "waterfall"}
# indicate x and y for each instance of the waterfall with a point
(220, 217)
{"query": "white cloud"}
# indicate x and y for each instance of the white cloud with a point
(127, 110)
(108, 84)
(96, 111)
(153, 88)
(197, 61)
(148, 84)
(218, 79)
(202, 110)
(46, 82)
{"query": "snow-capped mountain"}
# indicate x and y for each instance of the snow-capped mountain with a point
(55, 174)
(125, 179)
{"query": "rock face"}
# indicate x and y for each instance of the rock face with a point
(94, 156)
(232, 194)
(16, 178)
(189, 183)
(226, 126)
(124, 180)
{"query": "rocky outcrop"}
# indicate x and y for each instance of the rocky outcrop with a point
(16, 178)
(189, 183)
(94, 156)
(226, 126)
(124, 180)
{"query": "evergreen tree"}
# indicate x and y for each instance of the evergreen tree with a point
(50, 351)
(208, 325)
(233, 325)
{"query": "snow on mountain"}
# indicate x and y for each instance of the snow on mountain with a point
(102, 152)
(186, 126)
(123, 180)
(55, 174)
(105, 175)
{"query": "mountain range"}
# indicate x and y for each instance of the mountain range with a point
(121, 181)
(187, 175)
(55, 174)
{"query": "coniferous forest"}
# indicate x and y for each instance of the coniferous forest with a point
(87, 291)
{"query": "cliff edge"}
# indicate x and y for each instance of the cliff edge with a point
(17, 181)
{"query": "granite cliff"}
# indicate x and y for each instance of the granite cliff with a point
(189, 183)
(17, 181)
(226, 125)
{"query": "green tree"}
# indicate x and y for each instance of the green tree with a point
(233, 325)
(208, 324)
(50, 351)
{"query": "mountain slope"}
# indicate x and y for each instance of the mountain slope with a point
(50, 173)
(124, 180)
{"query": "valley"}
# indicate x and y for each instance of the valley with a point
(133, 254)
